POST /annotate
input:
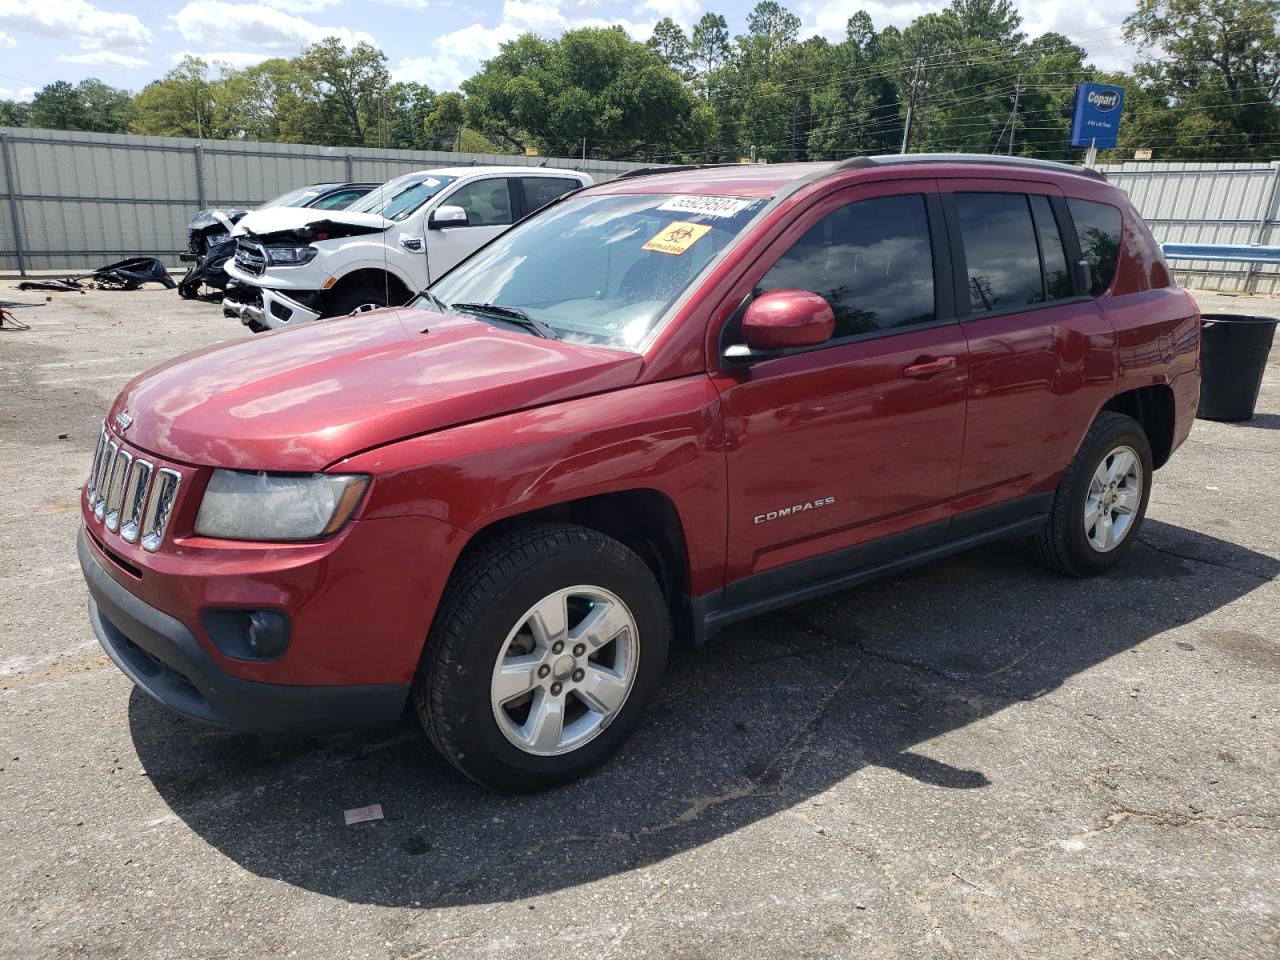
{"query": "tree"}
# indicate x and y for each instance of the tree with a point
(670, 42)
(596, 85)
(709, 46)
(342, 95)
(408, 107)
(87, 105)
(14, 113)
(179, 104)
(1208, 80)
(250, 103)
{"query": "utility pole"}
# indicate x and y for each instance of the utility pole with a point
(584, 149)
(1013, 118)
(911, 105)
(753, 153)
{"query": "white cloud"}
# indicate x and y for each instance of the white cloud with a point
(302, 6)
(103, 58)
(457, 55)
(22, 94)
(90, 26)
(684, 12)
(237, 59)
(256, 25)
(7, 41)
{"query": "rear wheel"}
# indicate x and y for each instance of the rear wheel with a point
(549, 645)
(1101, 501)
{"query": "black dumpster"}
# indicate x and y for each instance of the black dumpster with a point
(1233, 357)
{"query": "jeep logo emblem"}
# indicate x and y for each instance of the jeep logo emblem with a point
(123, 421)
(1104, 100)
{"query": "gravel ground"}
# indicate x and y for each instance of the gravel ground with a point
(977, 759)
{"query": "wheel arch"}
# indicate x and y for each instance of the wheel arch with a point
(645, 520)
(398, 289)
(1154, 407)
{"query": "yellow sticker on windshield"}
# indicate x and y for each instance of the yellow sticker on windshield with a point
(677, 237)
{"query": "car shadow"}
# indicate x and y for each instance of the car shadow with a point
(770, 713)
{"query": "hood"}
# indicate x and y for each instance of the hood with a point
(293, 219)
(300, 400)
(221, 219)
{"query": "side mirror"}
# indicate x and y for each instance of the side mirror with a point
(447, 216)
(783, 320)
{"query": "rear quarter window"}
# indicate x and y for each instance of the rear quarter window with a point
(1098, 227)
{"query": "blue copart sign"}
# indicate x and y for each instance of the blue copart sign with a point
(1095, 121)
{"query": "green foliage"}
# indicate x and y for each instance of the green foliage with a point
(88, 105)
(1206, 86)
(592, 85)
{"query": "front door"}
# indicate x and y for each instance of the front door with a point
(490, 211)
(850, 453)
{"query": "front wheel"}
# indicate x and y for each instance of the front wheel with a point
(1101, 500)
(357, 299)
(548, 646)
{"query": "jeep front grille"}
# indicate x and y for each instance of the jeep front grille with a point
(130, 495)
(250, 257)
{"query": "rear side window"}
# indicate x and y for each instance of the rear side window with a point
(539, 191)
(340, 200)
(1000, 250)
(1098, 227)
(1057, 280)
(871, 260)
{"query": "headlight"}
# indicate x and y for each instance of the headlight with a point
(277, 506)
(290, 256)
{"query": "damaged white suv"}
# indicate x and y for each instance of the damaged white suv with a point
(293, 266)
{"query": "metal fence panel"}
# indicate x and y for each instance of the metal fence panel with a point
(85, 199)
(1209, 203)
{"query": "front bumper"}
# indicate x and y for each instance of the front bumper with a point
(162, 657)
(268, 308)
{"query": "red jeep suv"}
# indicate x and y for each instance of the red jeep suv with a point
(658, 406)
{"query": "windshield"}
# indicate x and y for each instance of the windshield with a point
(398, 198)
(297, 198)
(600, 269)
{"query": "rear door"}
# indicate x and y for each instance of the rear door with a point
(490, 203)
(1041, 354)
(849, 453)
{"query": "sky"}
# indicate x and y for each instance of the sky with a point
(440, 43)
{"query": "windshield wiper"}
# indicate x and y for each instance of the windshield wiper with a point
(513, 314)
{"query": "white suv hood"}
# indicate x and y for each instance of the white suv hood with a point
(278, 219)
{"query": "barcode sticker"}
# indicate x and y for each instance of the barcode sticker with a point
(708, 206)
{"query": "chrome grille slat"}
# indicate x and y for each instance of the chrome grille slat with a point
(115, 489)
(130, 495)
(135, 499)
(97, 460)
(100, 493)
(164, 492)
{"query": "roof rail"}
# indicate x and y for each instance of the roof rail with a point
(674, 168)
(892, 159)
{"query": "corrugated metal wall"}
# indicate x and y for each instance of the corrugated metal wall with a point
(86, 199)
(1209, 203)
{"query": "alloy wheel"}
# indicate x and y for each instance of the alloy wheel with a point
(1115, 494)
(565, 670)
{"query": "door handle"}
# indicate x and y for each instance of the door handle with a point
(412, 243)
(927, 368)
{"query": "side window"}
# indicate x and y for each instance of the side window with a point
(339, 201)
(487, 202)
(1057, 279)
(1098, 227)
(539, 191)
(1000, 251)
(871, 260)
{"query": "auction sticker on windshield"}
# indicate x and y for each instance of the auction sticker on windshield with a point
(677, 237)
(708, 206)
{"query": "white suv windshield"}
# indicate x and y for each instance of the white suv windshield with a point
(398, 198)
(601, 269)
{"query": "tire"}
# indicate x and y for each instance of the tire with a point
(1069, 546)
(357, 299)
(473, 713)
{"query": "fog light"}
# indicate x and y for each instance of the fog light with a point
(248, 634)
